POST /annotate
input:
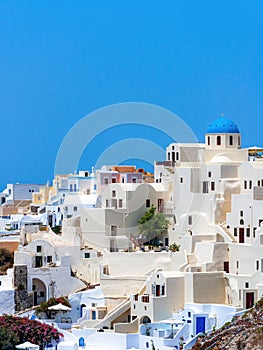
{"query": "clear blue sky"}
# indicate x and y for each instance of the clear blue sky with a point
(61, 60)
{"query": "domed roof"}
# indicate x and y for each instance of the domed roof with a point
(222, 125)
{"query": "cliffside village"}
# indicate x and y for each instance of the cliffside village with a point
(79, 237)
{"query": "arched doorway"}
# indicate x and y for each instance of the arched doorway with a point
(145, 319)
(39, 290)
(81, 309)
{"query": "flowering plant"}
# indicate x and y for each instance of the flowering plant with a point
(43, 307)
(15, 330)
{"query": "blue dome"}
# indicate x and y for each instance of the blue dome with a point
(222, 125)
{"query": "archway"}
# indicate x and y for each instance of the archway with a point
(145, 319)
(39, 290)
(81, 309)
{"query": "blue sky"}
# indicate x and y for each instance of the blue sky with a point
(61, 60)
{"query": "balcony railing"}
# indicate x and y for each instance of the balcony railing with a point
(168, 211)
(166, 163)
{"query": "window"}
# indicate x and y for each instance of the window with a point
(168, 155)
(226, 266)
(39, 248)
(134, 180)
(241, 213)
(34, 287)
(209, 173)
(205, 186)
(106, 180)
(148, 203)
(107, 203)
(75, 188)
(49, 259)
(218, 140)
(231, 140)
(254, 232)
(245, 184)
(177, 155)
(190, 220)
(94, 187)
(113, 193)
(87, 255)
(208, 140)
(246, 285)
(120, 203)
(250, 184)
(163, 290)
(75, 208)
(173, 148)
(248, 231)
(113, 230)
(181, 180)
(258, 183)
(123, 180)
(241, 222)
(189, 314)
(212, 186)
(235, 231)
(238, 140)
(70, 188)
(257, 265)
(114, 180)
(41, 294)
(237, 264)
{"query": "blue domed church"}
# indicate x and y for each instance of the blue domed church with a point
(223, 133)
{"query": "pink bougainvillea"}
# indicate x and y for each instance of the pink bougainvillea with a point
(17, 330)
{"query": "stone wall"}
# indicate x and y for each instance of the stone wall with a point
(23, 299)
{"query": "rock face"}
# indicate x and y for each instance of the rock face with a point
(244, 333)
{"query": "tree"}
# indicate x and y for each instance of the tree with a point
(153, 226)
(174, 247)
(6, 259)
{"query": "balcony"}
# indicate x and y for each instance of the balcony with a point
(166, 163)
(168, 211)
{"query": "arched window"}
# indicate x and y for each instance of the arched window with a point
(208, 140)
(218, 140)
(231, 140)
(241, 222)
